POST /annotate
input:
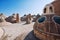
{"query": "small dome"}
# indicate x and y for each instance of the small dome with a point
(54, 7)
(49, 9)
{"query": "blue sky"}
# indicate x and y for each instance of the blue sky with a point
(8, 7)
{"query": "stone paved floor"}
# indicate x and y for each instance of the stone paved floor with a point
(16, 29)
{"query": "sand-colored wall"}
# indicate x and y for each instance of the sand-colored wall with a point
(56, 5)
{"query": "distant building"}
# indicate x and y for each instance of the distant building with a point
(14, 18)
(23, 18)
(2, 17)
(28, 19)
(35, 17)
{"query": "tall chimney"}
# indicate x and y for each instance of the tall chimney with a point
(17, 17)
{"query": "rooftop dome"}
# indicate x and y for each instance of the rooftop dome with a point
(54, 7)
(47, 27)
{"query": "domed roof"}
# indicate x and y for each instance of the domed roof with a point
(56, 5)
(46, 26)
